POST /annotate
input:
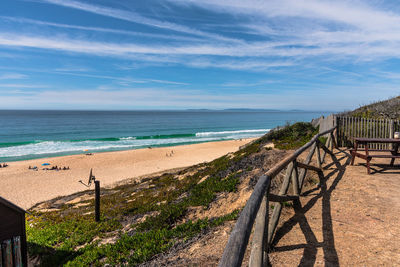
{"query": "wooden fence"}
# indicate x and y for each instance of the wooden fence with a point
(256, 209)
(350, 127)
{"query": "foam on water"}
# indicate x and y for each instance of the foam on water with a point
(35, 149)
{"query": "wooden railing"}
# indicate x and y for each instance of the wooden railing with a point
(351, 127)
(256, 209)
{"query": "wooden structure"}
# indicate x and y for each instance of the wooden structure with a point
(96, 194)
(394, 153)
(13, 251)
(256, 209)
(352, 127)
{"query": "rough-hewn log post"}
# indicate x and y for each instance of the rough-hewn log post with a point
(303, 172)
(326, 144)
(239, 238)
(319, 163)
(295, 179)
(278, 206)
(259, 242)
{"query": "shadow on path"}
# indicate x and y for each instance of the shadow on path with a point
(312, 244)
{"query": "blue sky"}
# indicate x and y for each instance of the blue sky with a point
(177, 54)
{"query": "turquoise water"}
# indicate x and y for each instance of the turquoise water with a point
(38, 134)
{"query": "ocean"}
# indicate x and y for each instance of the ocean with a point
(39, 134)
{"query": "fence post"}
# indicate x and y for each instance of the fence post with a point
(260, 236)
(278, 207)
(97, 200)
(295, 179)
(391, 130)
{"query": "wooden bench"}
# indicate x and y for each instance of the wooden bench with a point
(394, 154)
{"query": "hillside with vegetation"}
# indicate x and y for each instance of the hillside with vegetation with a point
(386, 109)
(152, 221)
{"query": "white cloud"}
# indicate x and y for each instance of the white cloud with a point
(136, 18)
(353, 13)
(16, 85)
(13, 76)
(99, 29)
(328, 31)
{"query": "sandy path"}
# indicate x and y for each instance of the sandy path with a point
(352, 221)
(26, 187)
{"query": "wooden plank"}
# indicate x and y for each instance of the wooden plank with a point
(377, 129)
(362, 127)
(17, 251)
(345, 133)
(303, 172)
(387, 132)
(334, 144)
(278, 207)
(341, 127)
(7, 253)
(237, 243)
(260, 233)
(383, 156)
(363, 156)
(351, 127)
(319, 163)
(374, 131)
(280, 198)
(295, 178)
(97, 201)
(375, 123)
(324, 153)
(308, 167)
(380, 132)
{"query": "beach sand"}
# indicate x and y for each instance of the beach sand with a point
(25, 187)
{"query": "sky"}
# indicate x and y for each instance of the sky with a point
(215, 54)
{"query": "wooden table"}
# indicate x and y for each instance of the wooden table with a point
(394, 152)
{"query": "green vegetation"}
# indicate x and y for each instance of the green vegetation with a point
(292, 136)
(154, 209)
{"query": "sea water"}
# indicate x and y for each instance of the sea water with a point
(37, 134)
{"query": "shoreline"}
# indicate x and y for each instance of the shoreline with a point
(76, 153)
(26, 187)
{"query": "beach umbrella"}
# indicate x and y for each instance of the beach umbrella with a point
(45, 164)
(86, 150)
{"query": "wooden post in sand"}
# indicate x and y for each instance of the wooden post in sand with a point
(96, 194)
(97, 200)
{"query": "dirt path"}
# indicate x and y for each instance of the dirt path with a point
(351, 220)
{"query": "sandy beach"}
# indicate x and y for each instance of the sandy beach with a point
(26, 187)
